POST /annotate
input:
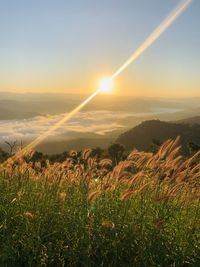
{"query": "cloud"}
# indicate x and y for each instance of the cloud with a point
(91, 121)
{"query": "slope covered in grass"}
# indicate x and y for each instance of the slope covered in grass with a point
(85, 212)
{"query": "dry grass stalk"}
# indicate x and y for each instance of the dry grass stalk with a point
(174, 144)
(126, 195)
(174, 153)
(73, 153)
(142, 188)
(105, 163)
(135, 178)
(134, 154)
(86, 153)
(163, 149)
(92, 196)
(91, 163)
(175, 189)
(108, 224)
(62, 196)
(192, 159)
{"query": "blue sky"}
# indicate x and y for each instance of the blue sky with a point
(66, 46)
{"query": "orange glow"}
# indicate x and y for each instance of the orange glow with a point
(105, 85)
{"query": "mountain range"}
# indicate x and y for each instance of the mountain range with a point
(142, 119)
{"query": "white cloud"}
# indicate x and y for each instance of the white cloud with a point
(90, 121)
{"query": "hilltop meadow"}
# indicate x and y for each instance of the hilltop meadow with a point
(142, 210)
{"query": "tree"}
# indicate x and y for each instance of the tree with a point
(154, 146)
(37, 156)
(11, 146)
(193, 147)
(116, 152)
(97, 152)
(3, 155)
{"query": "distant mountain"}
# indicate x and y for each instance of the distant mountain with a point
(59, 103)
(191, 120)
(141, 136)
(78, 144)
(43, 106)
(6, 114)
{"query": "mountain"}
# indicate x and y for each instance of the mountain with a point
(78, 144)
(7, 114)
(141, 136)
(191, 120)
(60, 103)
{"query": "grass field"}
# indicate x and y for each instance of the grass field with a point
(85, 212)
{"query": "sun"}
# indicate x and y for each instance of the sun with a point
(105, 85)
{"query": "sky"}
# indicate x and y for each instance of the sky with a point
(66, 46)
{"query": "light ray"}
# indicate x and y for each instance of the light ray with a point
(147, 43)
(154, 35)
(66, 118)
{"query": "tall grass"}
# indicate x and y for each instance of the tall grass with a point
(83, 212)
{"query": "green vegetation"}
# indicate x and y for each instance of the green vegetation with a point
(86, 212)
(141, 136)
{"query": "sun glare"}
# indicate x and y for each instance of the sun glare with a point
(105, 85)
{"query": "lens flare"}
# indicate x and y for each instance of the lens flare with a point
(106, 84)
(65, 118)
(154, 35)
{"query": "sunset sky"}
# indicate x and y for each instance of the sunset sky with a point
(68, 45)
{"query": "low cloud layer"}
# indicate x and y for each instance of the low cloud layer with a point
(98, 122)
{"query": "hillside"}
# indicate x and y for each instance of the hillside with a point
(78, 144)
(141, 136)
(8, 114)
(190, 120)
(86, 212)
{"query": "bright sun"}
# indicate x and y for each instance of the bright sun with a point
(105, 85)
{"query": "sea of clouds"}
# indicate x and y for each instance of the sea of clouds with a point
(98, 122)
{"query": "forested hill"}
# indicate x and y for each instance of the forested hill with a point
(190, 120)
(142, 136)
